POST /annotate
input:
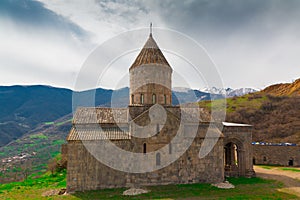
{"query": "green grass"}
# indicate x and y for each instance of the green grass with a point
(61, 123)
(38, 136)
(48, 123)
(290, 169)
(253, 188)
(279, 168)
(266, 167)
(58, 142)
(57, 124)
(252, 101)
(46, 180)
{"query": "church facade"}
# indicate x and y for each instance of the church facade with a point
(153, 131)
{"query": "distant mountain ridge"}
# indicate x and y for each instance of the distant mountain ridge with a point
(228, 92)
(23, 108)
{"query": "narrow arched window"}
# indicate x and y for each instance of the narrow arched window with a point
(142, 99)
(132, 99)
(157, 128)
(165, 99)
(158, 159)
(264, 158)
(144, 148)
(291, 162)
(154, 98)
(170, 148)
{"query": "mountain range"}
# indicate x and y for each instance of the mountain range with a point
(35, 120)
(25, 107)
(228, 92)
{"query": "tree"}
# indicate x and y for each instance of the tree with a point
(52, 165)
(26, 168)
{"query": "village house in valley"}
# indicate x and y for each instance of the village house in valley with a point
(150, 92)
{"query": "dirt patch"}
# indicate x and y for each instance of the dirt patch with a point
(54, 192)
(290, 179)
(224, 185)
(134, 191)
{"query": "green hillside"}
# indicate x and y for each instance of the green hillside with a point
(32, 151)
(274, 118)
(25, 108)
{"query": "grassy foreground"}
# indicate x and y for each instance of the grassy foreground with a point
(292, 169)
(254, 188)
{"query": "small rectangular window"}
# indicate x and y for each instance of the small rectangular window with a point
(153, 98)
(144, 148)
(264, 158)
(158, 159)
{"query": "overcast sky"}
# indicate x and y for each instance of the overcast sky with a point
(253, 43)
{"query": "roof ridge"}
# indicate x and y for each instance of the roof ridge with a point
(150, 54)
(140, 115)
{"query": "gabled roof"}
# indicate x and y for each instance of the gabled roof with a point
(93, 115)
(95, 123)
(98, 115)
(194, 115)
(150, 54)
(96, 133)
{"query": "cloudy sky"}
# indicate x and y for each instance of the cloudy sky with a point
(252, 43)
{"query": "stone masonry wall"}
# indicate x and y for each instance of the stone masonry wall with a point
(242, 137)
(148, 80)
(276, 155)
(86, 173)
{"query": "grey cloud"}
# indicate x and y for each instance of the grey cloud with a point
(252, 39)
(222, 17)
(32, 15)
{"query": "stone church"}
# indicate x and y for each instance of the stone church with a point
(152, 142)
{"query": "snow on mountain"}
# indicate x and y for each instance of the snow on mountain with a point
(215, 90)
(229, 92)
(185, 95)
(240, 92)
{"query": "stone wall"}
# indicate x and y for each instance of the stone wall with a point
(151, 79)
(276, 155)
(87, 173)
(163, 138)
(64, 151)
(241, 136)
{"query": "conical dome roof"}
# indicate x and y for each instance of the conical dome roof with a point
(150, 54)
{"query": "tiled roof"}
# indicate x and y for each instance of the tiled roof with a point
(94, 115)
(192, 115)
(97, 133)
(150, 54)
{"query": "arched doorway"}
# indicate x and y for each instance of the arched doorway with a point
(291, 162)
(233, 159)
